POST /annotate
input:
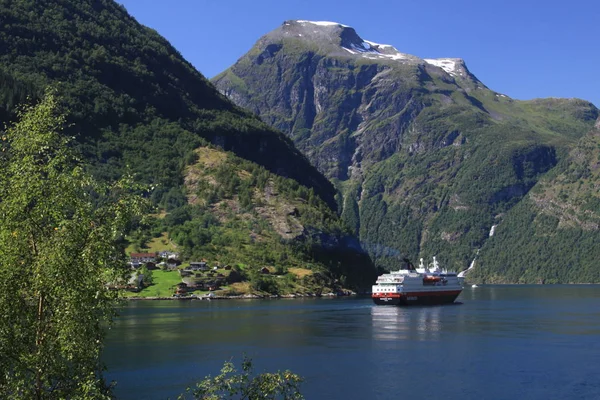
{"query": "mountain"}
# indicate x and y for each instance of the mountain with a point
(425, 157)
(134, 104)
(553, 232)
(118, 76)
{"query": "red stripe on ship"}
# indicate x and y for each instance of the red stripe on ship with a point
(417, 294)
(394, 295)
(437, 293)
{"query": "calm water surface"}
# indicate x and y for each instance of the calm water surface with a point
(501, 342)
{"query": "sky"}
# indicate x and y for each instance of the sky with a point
(523, 48)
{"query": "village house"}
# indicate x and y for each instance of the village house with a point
(151, 265)
(181, 288)
(172, 263)
(138, 259)
(198, 266)
(168, 255)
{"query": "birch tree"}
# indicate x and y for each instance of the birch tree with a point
(59, 232)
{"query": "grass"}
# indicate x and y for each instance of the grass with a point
(238, 288)
(210, 158)
(164, 281)
(300, 272)
(161, 243)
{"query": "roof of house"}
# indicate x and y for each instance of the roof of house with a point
(142, 255)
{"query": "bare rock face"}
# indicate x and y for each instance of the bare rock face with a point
(329, 90)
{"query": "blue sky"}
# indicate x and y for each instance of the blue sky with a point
(524, 49)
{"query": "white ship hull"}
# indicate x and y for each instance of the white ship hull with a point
(417, 298)
(413, 286)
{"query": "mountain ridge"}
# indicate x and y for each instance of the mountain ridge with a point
(350, 43)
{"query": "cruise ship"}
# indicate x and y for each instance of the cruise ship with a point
(423, 285)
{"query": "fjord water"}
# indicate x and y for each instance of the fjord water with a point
(498, 342)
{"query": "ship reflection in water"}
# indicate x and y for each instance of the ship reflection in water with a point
(406, 323)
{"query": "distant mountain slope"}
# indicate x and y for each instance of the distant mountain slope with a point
(134, 103)
(426, 157)
(348, 103)
(552, 235)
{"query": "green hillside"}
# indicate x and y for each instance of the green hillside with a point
(133, 103)
(131, 96)
(239, 213)
(552, 235)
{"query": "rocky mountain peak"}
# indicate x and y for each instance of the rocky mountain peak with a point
(453, 66)
(315, 30)
(338, 39)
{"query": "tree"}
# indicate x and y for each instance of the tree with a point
(245, 386)
(148, 276)
(59, 234)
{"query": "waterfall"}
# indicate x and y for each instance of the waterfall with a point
(463, 273)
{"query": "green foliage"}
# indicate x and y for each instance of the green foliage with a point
(148, 276)
(530, 247)
(258, 218)
(551, 235)
(266, 284)
(60, 234)
(230, 384)
(134, 102)
(136, 106)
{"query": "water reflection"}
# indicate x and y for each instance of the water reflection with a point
(406, 323)
(526, 339)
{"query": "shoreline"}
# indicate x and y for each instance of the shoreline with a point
(325, 295)
(244, 297)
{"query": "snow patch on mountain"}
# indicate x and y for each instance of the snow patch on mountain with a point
(447, 64)
(381, 46)
(355, 45)
(372, 50)
(322, 23)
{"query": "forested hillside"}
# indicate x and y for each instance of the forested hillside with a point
(425, 157)
(133, 103)
(552, 235)
(131, 96)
